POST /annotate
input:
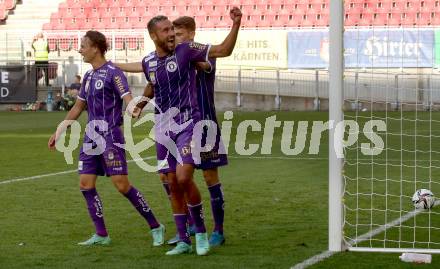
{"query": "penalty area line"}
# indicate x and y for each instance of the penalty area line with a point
(54, 174)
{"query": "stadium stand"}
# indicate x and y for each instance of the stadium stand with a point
(122, 16)
(129, 14)
(5, 7)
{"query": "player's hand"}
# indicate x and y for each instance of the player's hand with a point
(136, 113)
(52, 141)
(235, 14)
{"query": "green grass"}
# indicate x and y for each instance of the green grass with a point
(276, 205)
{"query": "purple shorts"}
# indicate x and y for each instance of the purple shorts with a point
(212, 159)
(167, 162)
(111, 162)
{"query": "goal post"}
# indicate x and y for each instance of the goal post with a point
(389, 75)
(336, 82)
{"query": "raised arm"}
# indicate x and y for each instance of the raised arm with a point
(135, 67)
(227, 46)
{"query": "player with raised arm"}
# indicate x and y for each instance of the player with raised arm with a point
(171, 70)
(103, 91)
(184, 28)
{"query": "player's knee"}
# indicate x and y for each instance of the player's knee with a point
(172, 183)
(184, 180)
(211, 177)
(163, 178)
(86, 184)
(122, 185)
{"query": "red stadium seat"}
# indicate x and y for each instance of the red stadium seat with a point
(435, 21)
(351, 20)
(133, 43)
(322, 21)
(9, 4)
(279, 23)
(52, 42)
(308, 22)
(380, 19)
(46, 26)
(264, 23)
(64, 43)
(423, 21)
(393, 21)
(408, 20)
(139, 25)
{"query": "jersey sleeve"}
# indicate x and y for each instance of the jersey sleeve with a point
(120, 83)
(144, 65)
(212, 64)
(82, 95)
(196, 52)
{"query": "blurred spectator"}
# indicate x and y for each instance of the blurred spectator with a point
(68, 100)
(41, 55)
(71, 69)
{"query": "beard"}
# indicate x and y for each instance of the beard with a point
(164, 45)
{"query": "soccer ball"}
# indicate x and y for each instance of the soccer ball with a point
(423, 199)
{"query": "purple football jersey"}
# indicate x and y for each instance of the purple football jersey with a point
(173, 78)
(103, 90)
(205, 91)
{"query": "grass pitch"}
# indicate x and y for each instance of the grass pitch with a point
(276, 206)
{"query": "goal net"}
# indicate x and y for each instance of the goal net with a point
(391, 76)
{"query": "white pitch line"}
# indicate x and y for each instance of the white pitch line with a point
(53, 174)
(276, 157)
(313, 260)
(327, 254)
(38, 176)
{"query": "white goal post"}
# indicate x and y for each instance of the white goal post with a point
(370, 208)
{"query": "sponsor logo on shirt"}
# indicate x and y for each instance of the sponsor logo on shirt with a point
(149, 57)
(171, 66)
(99, 84)
(119, 84)
(153, 77)
(152, 64)
(86, 88)
(197, 46)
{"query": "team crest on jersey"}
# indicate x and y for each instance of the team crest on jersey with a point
(99, 84)
(171, 66)
(153, 77)
(152, 64)
(186, 150)
(111, 156)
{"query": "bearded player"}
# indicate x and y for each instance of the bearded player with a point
(172, 71)
(184, 28)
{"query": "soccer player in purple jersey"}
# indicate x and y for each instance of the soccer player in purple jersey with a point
(103, 91)
(184, 28)
(172, 71)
